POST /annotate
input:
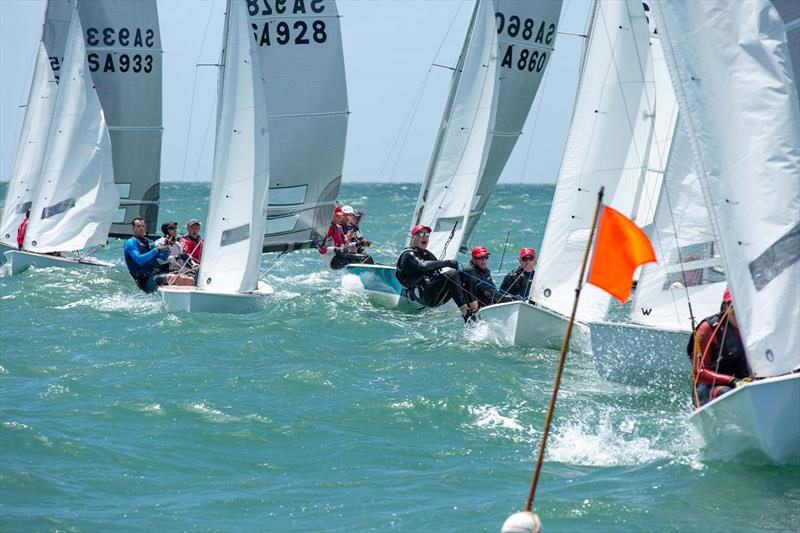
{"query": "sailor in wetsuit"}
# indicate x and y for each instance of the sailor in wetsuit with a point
(478, 283)
(142, 256)
(518, 281)
(420, 273)
(721, 363)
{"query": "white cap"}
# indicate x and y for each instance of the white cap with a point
(347, 210)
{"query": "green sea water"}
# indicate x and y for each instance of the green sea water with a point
(323, 413)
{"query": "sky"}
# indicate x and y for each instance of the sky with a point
(395, 96)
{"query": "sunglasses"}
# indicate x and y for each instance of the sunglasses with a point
(422, 234)
(485, 257)
(529, 258)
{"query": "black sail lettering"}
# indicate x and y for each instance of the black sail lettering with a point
(109, 64)
(317, 6)
(91, 37)
(94, 64)
(108, 37)
(540, 33)
(148, 38)
(508, 56)
(299, 7)
(550, 34)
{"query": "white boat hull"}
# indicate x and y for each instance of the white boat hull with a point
(382, 287)
(192, 300)
(523, 324)
(635, 354)
(759, 420)
(21, 261)
(5, 247)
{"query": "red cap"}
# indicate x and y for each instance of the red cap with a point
(726, 296)
(420, 227)
(480, 251)
(527, 252)
(338, 210)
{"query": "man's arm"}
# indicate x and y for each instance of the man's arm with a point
(132, 251)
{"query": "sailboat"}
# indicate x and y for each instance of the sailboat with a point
(38, 115)
(607, 146)
(228, 280)
(735, 82)
(122, 46)
(505, 53)
(75, 198)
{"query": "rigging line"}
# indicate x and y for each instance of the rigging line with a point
(412, 113)
(274, 264)
(194, 88)
(203, 145)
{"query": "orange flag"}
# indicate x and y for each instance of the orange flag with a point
(619, 248)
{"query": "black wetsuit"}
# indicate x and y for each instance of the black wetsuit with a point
(517, 283)
(419, 272)
(479, 285)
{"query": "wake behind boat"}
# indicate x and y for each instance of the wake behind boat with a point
(19, 261)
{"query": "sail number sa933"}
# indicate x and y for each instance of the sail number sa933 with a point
(270, 33)
(120, 61)
(526, 30)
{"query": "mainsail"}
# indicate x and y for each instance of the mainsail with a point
(506, 50)
(237, 206)
(299, 45)
(38, 114)
(608, 145)
(123, 46)
(76, 197)
(732, 73)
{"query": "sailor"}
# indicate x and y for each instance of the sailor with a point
(478, 283)
(720, 365)
(421, 274)
(142, 256)
(350, 225)
(23, 227)
(177, 257)
(518, 281)
(192, 242)
(336, 243)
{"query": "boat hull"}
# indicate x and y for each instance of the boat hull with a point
(382, 287)
(524, 324)
(635, 354)
(192, 300)
(21, 261)
(5, 247)
(759, 420)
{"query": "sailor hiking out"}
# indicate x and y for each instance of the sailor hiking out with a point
(720, 364)
(421, 274)
(142, 258)
(478, 283)
(518, 282)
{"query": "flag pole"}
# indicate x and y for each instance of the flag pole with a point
(562, 360)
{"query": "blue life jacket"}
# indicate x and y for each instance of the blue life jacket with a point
(138, 272)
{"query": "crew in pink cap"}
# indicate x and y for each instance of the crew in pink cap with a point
(477, 281)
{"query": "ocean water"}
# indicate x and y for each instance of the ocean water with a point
(323, 413)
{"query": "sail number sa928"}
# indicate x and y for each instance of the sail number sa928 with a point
(527, 30)
(269, 33)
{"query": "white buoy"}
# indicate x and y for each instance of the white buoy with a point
(524, 522)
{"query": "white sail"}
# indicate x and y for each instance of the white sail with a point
(123, 47)
(300, 50)
(731, 70)
(608, 145)
(237, 207)
(38, 114)
(76, 197)
(689, 266)
(505, 54)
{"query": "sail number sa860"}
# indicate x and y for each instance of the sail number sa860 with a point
(526, 30)
(269, 33)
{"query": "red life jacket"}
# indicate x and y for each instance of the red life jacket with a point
(21, 232)
(193, 247)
